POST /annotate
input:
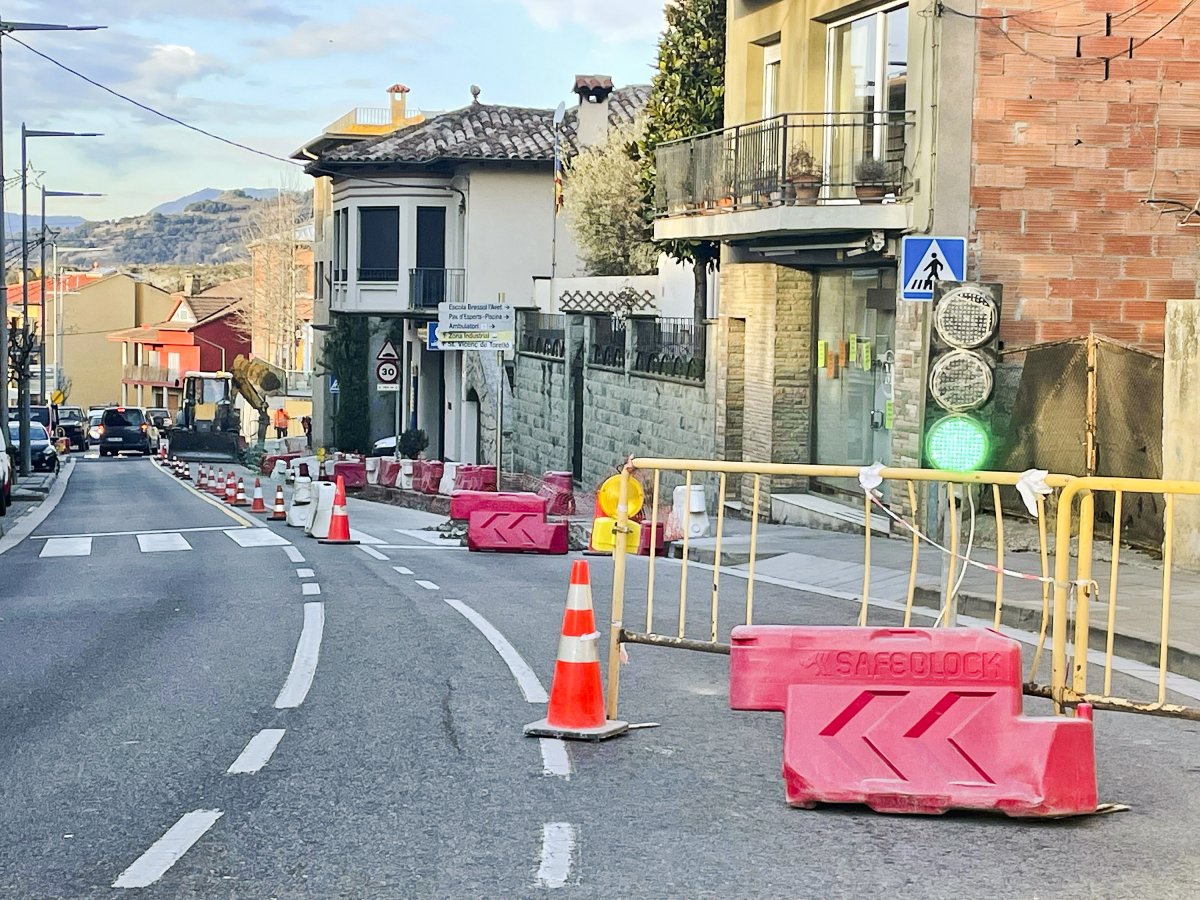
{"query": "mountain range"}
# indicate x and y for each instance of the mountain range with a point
(181, 203)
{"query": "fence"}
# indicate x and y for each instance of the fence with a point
(607, 342)
(669, 347)
(1061, 600)
(543, 334)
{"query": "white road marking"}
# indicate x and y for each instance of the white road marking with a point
(293, 553)
(403, 570)
(304, 664)
(526, 679)
(72, 546)
(46, 537)
(31, 520)
(305, 573)
(310, 589)
(371, 551)
(428, 585)
(257, 753)
(448, 546)
(559, 841)
(428, 537)
(167, 850)
(161, 543)
(259, 537)
(363, 538)
(555, 760)
(245, 521)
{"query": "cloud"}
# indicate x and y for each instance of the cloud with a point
(617, 20)
(100, 12)
(371, 29)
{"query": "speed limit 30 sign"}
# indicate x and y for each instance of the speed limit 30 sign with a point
(388, 374)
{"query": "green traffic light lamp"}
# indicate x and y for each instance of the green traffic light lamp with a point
(958, 443)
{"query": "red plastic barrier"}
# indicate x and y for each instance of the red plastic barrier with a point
(559, 490)
(515, 532)
(268, 462)
(389, 471)
(463, 503)
(470, 477)
(911, 720)
(354, 474)
(427, 475)
(660, 547)
(464, 478)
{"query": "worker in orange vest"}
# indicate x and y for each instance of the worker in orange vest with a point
(282, 420)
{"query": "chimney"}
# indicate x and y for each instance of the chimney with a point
(190, 284)
(398, 93)
(593, 92)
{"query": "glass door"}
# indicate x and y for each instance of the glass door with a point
(854, 368)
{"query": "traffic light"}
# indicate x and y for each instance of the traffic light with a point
(962, 363)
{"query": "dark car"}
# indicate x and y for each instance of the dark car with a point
(72, 426)
(41, 449)
(93, 427)
(124, 428)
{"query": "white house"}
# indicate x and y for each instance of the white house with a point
(460, 206)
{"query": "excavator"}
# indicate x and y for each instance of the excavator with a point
(207, 426)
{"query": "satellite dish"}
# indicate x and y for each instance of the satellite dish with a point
(559, 113)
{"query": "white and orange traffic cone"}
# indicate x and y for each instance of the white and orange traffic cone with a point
(239, 497)
(230, 489)
(213, 484)
(185, 470)
(219, 484)
(258, 506)
(162, 454)
(279, 513)
(201, 479)
(576, 708)
(339, 522)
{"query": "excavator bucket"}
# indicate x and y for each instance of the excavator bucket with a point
(205, 446)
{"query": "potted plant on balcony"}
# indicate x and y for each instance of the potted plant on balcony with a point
(804, 181)
(873, 181)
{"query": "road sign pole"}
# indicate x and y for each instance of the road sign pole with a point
(499, 416)
(396, 454)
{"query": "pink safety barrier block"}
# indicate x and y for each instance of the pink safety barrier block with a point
(354, 474)
(909, 720)
(464, 503)
(559, 490)
(516, 532)
(389, 471)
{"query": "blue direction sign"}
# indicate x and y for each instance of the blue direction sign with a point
(924, 261)
(431, 338)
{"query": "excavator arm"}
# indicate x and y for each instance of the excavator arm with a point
(253, 379)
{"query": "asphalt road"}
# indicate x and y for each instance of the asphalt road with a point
(132, 678)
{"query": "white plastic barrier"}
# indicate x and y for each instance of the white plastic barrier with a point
(279, 472)
(691, 516)
(446, 485)
(372, 464)
(300, 507)
(321, 511)
(406, 474)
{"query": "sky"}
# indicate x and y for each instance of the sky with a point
(272, 74)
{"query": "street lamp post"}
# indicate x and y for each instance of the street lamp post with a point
(42, 270)
(7, 28)
(23, 375)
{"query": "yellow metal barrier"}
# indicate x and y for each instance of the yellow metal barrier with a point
(966, 483)
(1072, 631)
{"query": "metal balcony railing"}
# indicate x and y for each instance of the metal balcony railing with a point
(793, 158)
(429, 287)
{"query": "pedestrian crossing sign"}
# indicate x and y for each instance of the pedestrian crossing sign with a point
(924, 261)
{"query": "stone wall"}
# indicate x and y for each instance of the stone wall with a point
(540, 416)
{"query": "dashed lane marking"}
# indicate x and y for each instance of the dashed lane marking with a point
(403, 570)
(310, 589)
(428, 585)
(257, 753)
(371, 551)
(304, 663)
(305, 573)
(244, 521)
(259, 537)
(559, 840)
(69, 546)
(293, 553)
(555, 759)
(168, 849)
(162, 543)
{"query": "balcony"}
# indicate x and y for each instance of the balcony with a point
(150, 375)
(361, 116)
(429, 287)
(794, 172)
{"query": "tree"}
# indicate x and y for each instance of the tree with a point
(603, 201)
(268, 316)
(687, 97)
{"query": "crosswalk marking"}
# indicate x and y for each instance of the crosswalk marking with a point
(162, 543)
(256, 537)
(72, 546)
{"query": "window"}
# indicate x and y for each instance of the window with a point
(866, 89)
(378, 243)
(123, 418)
(339, 246)
(770, 102)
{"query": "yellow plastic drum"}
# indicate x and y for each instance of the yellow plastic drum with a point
(610, 493)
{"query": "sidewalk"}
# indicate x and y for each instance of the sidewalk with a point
(28, 491)
(830, 563)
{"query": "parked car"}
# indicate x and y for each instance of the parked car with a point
(72, 426)
(41, 448)
(159, 420)
(7, 471)
(124, 428)
(93, 427)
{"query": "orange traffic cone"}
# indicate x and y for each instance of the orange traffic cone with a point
(219, 484)
(239, 498)
(279, 513)
(201, 479)
(230, 489)
(339, 523)
(162, 454)
(576, 708)
(258, 506)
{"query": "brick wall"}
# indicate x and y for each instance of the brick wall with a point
(1064, 161)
